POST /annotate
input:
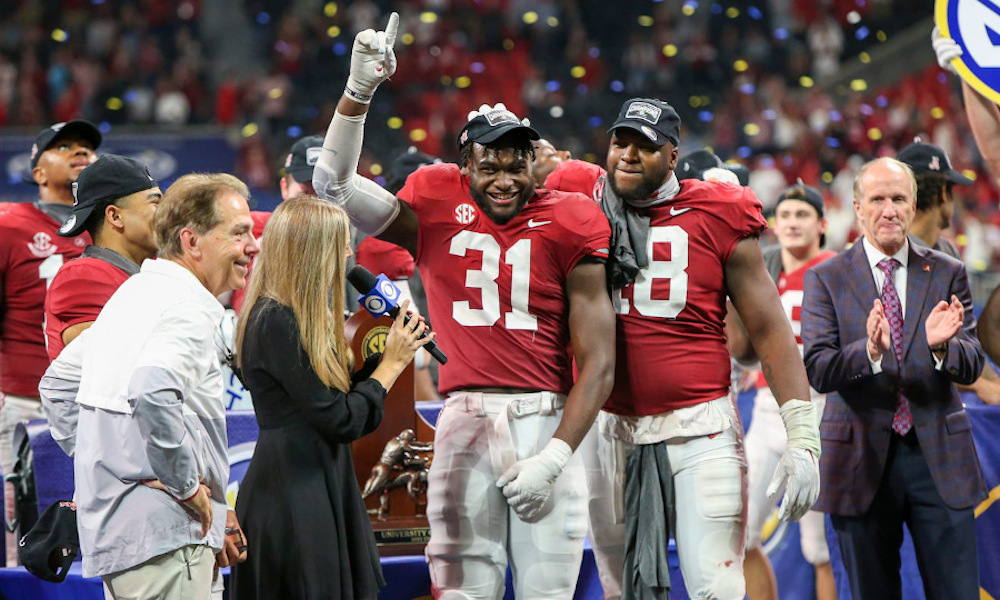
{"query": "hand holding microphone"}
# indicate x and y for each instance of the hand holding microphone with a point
(382, 298)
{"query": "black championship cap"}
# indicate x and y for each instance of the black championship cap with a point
(655, 119)
(693, 164)
(928, 158)
(110, 178)
(45, 139)
(491, 124)
(803, 193)
(301, 159)
(742, 173)
(49, 548)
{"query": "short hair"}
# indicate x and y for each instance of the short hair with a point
(884, 160)
(192, 201)
(929, 186)
(518, 141)
(96, 218)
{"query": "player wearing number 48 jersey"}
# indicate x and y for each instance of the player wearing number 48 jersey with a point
(667, 455)
(514, 277)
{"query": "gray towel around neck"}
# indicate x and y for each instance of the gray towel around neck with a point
(629, 233)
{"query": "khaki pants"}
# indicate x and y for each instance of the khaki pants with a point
(184, 574)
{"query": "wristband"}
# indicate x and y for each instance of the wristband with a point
(357, 96)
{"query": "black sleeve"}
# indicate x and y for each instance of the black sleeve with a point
(338, 417)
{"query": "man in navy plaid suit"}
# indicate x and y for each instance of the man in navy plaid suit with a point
(888, 330)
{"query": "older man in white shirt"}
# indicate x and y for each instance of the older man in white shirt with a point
(136, 399)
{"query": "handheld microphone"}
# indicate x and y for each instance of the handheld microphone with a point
(382, 298)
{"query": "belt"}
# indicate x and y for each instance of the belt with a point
(503, 455)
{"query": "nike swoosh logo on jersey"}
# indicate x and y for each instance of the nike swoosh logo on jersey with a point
(534, 223)
(674, 211)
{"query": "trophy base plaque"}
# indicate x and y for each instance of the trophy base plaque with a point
(401, 536)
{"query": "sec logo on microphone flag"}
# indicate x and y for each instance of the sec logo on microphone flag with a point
(975, 26)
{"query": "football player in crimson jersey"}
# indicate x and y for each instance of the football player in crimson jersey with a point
(514, 277)
(116, 201)
(30, 255)
(669, 438)
(799, 225)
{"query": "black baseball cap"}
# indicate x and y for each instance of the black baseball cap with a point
(928, 158)
(742, 173)
(653, 118)
(110, 178)
(493, 124)
(803, 193)
(405, 164)
(693, 164)
(301, 159)
(49, 548)
(45, 139)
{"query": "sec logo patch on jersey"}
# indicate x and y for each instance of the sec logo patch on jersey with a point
(975, 26)
(465, 213)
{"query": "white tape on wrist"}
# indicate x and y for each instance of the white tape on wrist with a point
(801, 425)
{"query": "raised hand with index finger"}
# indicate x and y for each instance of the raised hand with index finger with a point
(373, 60)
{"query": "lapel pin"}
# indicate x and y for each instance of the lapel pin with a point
(927, 268)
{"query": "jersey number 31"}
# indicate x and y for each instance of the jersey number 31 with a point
(518, 257)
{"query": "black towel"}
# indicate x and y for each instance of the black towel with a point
(649, 498)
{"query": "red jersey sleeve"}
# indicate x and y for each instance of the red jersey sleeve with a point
(742, 212)
(583, 226)
(384, 257)
(576, 176)
(77, 294)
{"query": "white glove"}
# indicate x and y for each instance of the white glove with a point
(486, 109)
(946, 50)
(528, 483)
(797, 474)
(372, 61)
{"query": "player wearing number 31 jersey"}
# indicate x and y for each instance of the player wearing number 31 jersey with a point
(514, 278)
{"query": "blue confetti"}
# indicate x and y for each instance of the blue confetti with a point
(835, 116)
(755, 13)
(881, 101)
(768, 114)
(594, 52)
(131, 95)
(717, 9)
(582, 89)
(340, 48)
(833, 142)
(595, 121)
(104, 127)
(781, 33)
(617, 86)
(744, 151)
(552, 86)
(747, 89)
(263, 18)
(867, 110)
(294, 131)
(477, 67)
(705, 116)
(861, 33)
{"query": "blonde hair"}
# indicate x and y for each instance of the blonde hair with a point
(192, 201)
(301, 265)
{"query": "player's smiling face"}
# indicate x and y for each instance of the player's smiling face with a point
(500, 181)
(637, 167)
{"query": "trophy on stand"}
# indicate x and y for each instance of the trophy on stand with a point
(390, 460)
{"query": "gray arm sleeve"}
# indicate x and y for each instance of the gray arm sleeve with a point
(58, 389)
(157, 405)
(335, 177)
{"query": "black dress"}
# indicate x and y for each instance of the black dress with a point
(308, 533)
